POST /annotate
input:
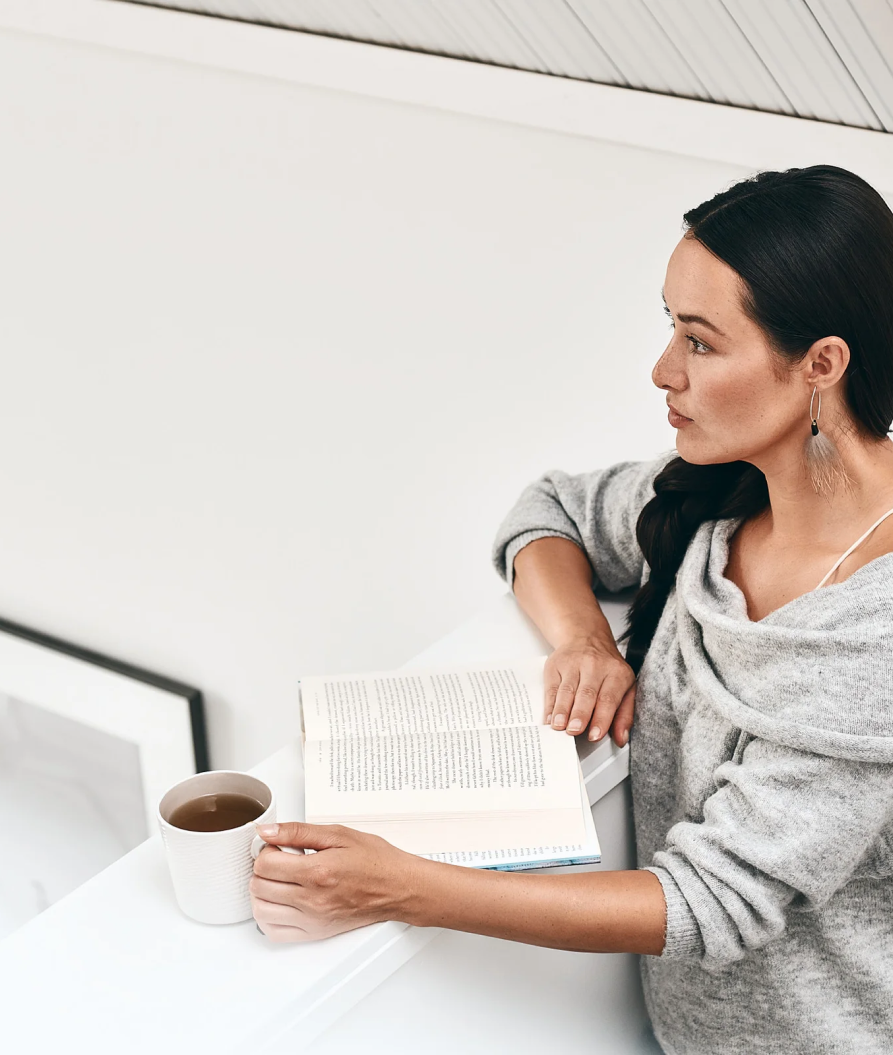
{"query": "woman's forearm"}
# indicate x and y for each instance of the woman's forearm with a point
(585, 912)
(553, 584)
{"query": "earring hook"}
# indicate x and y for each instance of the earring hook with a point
(815, 420)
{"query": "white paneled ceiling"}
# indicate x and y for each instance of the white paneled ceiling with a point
(826, 59)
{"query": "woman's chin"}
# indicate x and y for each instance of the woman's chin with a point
(701, 452)
(685, 447)
(696, 451)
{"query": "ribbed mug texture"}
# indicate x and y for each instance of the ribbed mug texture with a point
(211, 870)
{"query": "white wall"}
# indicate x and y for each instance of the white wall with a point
(276, 360)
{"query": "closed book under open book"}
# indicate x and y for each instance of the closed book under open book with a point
(452, 763)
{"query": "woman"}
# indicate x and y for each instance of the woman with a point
(759, 656)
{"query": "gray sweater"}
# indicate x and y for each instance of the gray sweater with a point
(762, 781)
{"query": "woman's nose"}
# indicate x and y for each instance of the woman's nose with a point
(666, 372)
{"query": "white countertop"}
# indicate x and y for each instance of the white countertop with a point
(115, 965)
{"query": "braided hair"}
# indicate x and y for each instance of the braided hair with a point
(814, 248)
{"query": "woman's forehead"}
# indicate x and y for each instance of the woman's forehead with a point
(699, 283)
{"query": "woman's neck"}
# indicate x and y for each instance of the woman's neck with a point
(798, 515)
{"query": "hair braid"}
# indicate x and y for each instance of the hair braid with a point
(685, 496)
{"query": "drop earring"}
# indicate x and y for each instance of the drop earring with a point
(826, 470)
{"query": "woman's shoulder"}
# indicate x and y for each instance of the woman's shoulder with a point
(866, 551)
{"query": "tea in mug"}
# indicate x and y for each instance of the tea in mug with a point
(216, 813)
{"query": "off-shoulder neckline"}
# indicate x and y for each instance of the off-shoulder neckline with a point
(722, 532)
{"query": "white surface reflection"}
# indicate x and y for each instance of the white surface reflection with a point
(71, 803)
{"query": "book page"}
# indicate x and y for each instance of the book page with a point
(477, 832)
(424, 700)
(519, 857)
(447, 773)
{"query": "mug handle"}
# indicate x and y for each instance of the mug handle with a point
(258, 843)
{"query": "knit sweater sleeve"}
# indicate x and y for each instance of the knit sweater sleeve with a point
(595, 510)
(784, 831)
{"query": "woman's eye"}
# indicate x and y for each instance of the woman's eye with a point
(696, 345)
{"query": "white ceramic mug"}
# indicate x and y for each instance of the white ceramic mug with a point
(211, 870)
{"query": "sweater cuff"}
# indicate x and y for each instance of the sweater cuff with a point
(682, 939)
(518, 543)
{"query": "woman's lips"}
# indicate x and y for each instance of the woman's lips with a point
(676, 419)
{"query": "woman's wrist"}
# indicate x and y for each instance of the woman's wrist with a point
(587, 912)
(437, 894)
(595, 640)
(593, 634)
(417, 891)
(582, 624)
(553, 585)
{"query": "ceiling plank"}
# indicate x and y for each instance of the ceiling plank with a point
(644, 55)
(828, 60)
(721, 53)
(802, 60)
(860, 49)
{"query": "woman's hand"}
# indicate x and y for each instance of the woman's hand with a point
(588, 683)
(354, 879)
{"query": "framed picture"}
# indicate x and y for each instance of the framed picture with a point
(88, 745)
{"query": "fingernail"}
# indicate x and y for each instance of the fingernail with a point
(559, 722)
(625, 737)
(267, 829)
(548, 719)
(575, 726)
(595, 733)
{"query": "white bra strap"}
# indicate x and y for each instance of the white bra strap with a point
(858, 542)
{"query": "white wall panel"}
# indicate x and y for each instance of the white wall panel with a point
(420, 26)
(639, 47)
(561, 39)
(831, 60)
(488, 34)
(360, 19)
(877, 17)
(282, 358)
(825, 67)
(720, 53)
(347, 18)
(859, 49)
(803, 61)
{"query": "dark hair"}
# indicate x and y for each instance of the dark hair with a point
(814, 247)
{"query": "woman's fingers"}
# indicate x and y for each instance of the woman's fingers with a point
(623, 719)
(553, 681)
(609, 699)
(584, 701)
(284, 935)
(276, 912)
(586, 687)
(564, 700)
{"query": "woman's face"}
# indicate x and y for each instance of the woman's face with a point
(737, 401)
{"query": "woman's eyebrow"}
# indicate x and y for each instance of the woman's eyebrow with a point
(694, 318)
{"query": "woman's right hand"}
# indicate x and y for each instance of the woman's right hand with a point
(588, 684)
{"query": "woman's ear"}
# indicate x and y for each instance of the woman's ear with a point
(826, 361)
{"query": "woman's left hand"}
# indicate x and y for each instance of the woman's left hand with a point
(354, 879)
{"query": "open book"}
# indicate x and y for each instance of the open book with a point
(452, 763)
